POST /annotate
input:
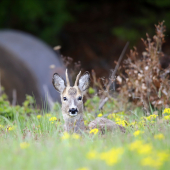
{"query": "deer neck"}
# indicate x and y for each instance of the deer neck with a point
(73, 124)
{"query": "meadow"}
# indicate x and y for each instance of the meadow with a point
(36, 140)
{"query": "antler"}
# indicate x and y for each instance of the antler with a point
(77, 78)
(67, 79)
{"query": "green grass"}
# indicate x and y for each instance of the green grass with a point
(46, 149)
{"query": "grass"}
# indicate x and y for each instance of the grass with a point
(39, 142)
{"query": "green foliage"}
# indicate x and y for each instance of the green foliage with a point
(40, 17)
(126, 34)
(9, 111)
(146, 13)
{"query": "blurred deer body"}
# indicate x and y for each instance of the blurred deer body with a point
(72, 105)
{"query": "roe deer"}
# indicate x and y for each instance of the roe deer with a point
(72, 104)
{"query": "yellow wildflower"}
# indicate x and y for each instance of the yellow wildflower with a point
(149, 161)
(92, 155)
(156, 161)
(1, 126)
(111, 116)
(151, 117)
(84, 168)
(10, 128)
(122, 122)
(145, 149)
(159, 136)
(163, 156)
(166, 117)
(65, 136)
(94, 131)
(111, 157)
(166, 110)
(85, 122)
(39, 116)
(100, 115)
(24, 145)
(138, 132)
(75, 136)
(52, 119)
(135, 145)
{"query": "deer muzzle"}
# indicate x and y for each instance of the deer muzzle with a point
(73, 112)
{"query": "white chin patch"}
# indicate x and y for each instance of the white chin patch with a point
(75, 114)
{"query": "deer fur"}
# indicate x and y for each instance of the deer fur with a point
(72, 104)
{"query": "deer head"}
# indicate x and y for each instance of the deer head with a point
(71, 97)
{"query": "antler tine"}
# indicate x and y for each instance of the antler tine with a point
(67, 79)
(77, 78)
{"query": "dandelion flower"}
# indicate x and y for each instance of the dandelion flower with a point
(135, 145)
(24, 145)
(10, 128)
(52, 119)
(39, 116)
(100, 115)
(75, 136)
(83, 168)
(65, 136)
(94, 131)
(85, 122)
(92, 155)
(111, 157)
(166, 110)
(159, 136)
(145, 149)
(137, 133)
(166, 117)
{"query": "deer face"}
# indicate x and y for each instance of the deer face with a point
(71, 97)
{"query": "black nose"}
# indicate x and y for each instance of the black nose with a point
(73, 110)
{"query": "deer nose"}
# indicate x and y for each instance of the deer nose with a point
(73, 110)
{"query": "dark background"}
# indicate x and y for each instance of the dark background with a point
(93, 32)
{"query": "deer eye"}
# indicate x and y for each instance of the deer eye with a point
(64, 98)
(79, 98)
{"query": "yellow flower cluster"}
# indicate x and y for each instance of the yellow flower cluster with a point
(69, 136)
(100, 115)
(159, 136)
(152, 117)
(166, 117)
(156, 160)
(39, 116)
(11, 128)
(24, 145)
(166, 110)
(110, 157)
(83, 168)
(52, 119)
(94, 131)
(118, 118)
(140, 147)
(151, 158)
(138, 132)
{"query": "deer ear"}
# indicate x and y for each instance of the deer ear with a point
(58, 83)
(84, 81)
